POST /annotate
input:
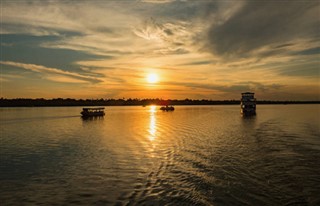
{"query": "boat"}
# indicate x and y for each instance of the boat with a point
(167, 108)
(93, 112)
(248, 104)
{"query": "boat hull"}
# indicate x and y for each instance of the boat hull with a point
(92, 114)
(248, 113)
(167, 108)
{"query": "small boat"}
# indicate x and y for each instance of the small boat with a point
(248, 104)
(93, 112)
(167, 108)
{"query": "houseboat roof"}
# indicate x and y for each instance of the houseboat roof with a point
(93, 108)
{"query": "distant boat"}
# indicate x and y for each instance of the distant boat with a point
(248, 104)
(93, 112)
(167, 108)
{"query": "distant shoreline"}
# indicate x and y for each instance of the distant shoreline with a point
(59, 102)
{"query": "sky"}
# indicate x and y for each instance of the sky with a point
(198, 49)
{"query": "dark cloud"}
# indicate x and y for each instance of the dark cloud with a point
(310, 51)
(283, 46)
(183, 10)
(27, 49)
(263, 23)
(168, 32)
(307, 69)
(196, 63)
(191, 11)
(36, 30)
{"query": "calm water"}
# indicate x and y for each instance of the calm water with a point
(196, 155)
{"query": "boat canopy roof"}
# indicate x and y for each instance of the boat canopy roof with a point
(92, 108)
(247, 93)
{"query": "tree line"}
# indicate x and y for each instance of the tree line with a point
(41, 102)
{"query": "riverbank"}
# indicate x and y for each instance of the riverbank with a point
(25, 102)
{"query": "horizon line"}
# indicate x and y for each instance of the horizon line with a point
(141, 99)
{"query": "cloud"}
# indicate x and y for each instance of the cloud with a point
(113, 44)
(169, 38)
(30, 50)
(48, 70)
(205, 62)
(309, 69)
(261, 23)
(311, 51)
(62, 78)
(175, 33)
(231, 88)
(157, 1)
(10, 77)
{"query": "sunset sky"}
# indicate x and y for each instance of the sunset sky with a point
(192, 49)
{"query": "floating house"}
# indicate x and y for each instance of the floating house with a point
(93, 112)
(248, 104)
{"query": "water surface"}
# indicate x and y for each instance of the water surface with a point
(195, 155)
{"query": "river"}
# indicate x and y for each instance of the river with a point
(195, 155)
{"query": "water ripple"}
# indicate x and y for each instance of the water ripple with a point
(141, 156)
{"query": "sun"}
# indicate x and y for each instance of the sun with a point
(152, 78)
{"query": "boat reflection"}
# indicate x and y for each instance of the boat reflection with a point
(92, 118)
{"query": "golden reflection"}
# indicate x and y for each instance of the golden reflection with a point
(153, 108)
(152, 125)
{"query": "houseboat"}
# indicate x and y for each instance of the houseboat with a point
(248, 104)
(93, 112)
(167, 108)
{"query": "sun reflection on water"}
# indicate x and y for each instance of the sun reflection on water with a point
(152, 125)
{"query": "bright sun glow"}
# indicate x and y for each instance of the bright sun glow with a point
(152, 78)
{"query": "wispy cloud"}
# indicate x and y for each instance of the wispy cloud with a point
(157, 1)
(46, 70)
(229, 88)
